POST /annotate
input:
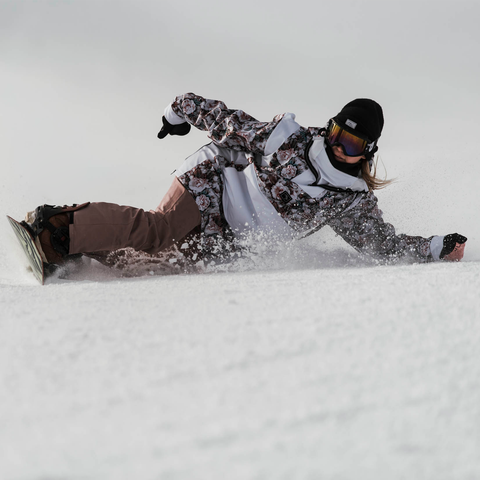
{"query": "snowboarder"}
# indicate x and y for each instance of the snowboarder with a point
(275, 177)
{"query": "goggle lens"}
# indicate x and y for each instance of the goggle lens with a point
(353, 146)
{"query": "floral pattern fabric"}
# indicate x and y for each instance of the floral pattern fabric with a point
(354, 216)
(205, 184)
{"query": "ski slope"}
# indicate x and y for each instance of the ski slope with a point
(302, 361)
(298, 367)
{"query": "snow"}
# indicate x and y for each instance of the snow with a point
(257, 375)
(299, 362)
(335, 372)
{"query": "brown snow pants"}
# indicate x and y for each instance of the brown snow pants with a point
(102, 227)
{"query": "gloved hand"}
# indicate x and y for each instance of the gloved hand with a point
(453, 247)
(169, 129)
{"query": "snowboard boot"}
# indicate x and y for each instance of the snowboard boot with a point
(49, 226)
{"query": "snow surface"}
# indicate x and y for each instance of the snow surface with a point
(356, 372)
(302, 362)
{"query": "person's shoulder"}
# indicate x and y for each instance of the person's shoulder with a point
(314, 131)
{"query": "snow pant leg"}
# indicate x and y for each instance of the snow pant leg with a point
(109, 227)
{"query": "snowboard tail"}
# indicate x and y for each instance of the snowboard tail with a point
(25, 238)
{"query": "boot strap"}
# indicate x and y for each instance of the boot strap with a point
(59, 236)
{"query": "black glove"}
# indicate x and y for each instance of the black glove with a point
(449, 243)
(169, 129)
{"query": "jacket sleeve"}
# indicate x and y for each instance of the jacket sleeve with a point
(227, 128)
(364, 229)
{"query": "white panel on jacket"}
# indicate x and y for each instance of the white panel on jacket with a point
(286, 127)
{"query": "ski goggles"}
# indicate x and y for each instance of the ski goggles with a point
(353, 145)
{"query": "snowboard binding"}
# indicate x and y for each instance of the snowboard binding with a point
(49, 227)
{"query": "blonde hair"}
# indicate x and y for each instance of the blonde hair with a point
(370, 177)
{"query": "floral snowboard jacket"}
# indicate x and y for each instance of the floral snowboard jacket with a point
(354, 216)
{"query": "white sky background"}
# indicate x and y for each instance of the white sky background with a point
(84, 84)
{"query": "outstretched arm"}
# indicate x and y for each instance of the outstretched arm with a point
(226, 127)
(364, 228)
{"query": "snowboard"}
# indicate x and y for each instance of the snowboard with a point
(31, 251)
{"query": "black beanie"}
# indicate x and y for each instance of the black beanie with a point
(362, 115)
